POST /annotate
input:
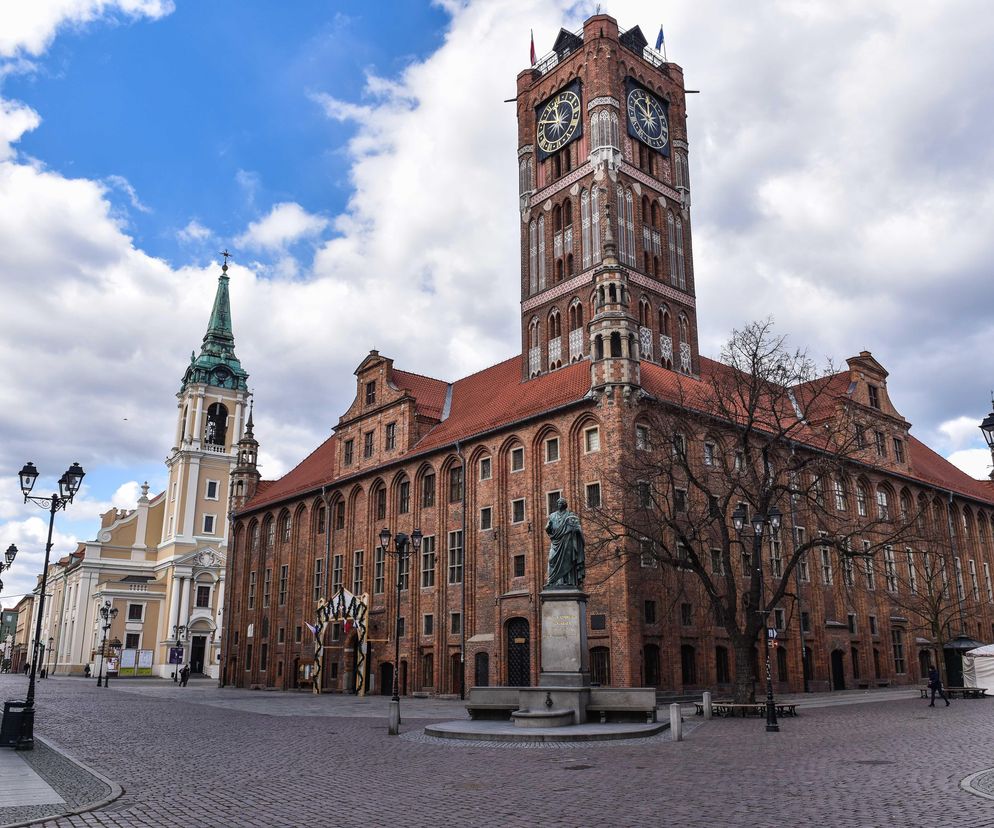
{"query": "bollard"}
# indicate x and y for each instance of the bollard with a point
(707, 705)
(676, 723)
(394, 723)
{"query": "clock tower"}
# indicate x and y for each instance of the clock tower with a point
(605, 208)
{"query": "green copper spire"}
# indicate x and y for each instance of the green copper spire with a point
(217, 364)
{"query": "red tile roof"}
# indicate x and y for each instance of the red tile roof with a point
(428, 392)
(311, 473)
(935, 469)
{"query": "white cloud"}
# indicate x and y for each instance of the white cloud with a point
(286, 223)
(15, 120)
(960, 432)
(975, 462)
(126, 496)
(194, 232)
(119, 182)
(29, 27)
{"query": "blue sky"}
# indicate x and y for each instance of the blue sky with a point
(360, 163)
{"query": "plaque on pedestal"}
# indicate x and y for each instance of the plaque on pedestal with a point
(565, 661)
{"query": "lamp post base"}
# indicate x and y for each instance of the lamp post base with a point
(394, 720)
(26, 741)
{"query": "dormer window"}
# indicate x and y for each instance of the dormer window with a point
(370, 392)
(874, 396)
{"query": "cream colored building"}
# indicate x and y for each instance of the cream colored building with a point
(161, 564)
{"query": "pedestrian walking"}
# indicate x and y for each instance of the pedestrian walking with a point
(27, 667)
(935, 685)
(184, 675)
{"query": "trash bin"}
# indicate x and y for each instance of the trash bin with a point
(13, 719)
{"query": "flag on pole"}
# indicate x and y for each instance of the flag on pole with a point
(659, 39)
(534, 59)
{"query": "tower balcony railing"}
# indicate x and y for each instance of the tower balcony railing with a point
(214, 448)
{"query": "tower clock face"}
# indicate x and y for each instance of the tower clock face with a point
(647, 118)
(559, 121)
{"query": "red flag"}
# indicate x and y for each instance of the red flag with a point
(534, 59)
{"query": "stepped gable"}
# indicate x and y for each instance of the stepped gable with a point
(429, 393)
(497, 396)
(310, 473)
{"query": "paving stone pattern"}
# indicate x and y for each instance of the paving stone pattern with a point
(203, 760)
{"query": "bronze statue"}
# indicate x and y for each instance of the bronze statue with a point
(566, 552)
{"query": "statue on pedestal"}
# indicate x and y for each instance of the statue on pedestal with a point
(566, 552)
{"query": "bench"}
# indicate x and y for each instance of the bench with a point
(604, 709)
(952, 692)
(495, 710)
(730, 710)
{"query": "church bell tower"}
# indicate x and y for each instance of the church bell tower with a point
(602, 139)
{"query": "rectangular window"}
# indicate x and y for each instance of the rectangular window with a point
(519, 566)
(988, 583)
(709, 454)
(650, 612)
(803, 571)
(960, 591)
(486, 518)
(881, 442)
(428, 625)
(972, 567)
(270, 534)
(337, 574)
(897, 640)
(267, 583)
(357, 571)
(851, 619)
(348, 452)
(136, 612)
(455, 557)
(401, 627)
(428, 490)
(367, 444)
(379, 570)
(594, 495)
(209, 524)
(132, 641)
(874, 396)
(404, 571)
(248, 656)
(644, 494)
(826, 564)
(518, 510)
(390, 437)
(687, 614)
(598, 622)
(455, 484)
(779, 618)
(841, 495)
(679, 500)
(848, 578)
(805, 621)
(371, 392)
(591, 440)
(776, 557)
(212, 489)
(912, 571)
(642, 437)
(873, 624)
(322, 516)
(868, 571)
(898, 450)
(251, 590)
(318, 581)
(404, 497)
(203, 599)
(679, 446)
(336, 632)
(428, 561)
(285, 528)
(381, 504)
(890, 569)
(552, 450)
(455, 623)
(647, 556)
(717, 562)
(517, 459)
(340, 514)
(883, 505)
(486, 470)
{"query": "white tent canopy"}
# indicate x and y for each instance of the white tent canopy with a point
(978, 668)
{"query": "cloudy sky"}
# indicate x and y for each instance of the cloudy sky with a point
(359, 162)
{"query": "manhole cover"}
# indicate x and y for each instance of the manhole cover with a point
(875, 762)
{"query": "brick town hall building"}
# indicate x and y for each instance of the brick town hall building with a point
(608, 329)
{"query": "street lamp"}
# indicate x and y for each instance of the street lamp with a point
(772, 519)
(68, 487)
(51, 649)
(179, 633)
(401, 544)
(987, 427)
(9, 555)
(108, 613)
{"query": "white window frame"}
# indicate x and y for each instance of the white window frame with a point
(217, 489)
(135, 620)
(517, 459)
(213, 524)
(549, 443)
(591, 439)
(486, 468)
(524, 513)
(586, 492)
(489, 523)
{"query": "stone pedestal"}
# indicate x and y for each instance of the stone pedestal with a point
(565, 661)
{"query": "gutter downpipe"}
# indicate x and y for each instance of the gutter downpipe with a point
(465, 573)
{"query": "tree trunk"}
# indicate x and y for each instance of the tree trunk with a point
(744, 689)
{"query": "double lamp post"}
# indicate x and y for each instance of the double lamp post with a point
(759, 523)
(68, 487)
(108, 614)
(402, 542)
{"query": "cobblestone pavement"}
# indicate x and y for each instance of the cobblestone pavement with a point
(209, 757)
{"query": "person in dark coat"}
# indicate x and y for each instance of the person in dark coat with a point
(184, 675)
(935, 685)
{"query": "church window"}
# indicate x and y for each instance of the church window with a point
(428, 490)
(379, 570)
(455, 484)
(370, 392)
(861, 498)
(381, 503)
(455, 557)
(525, 175)
(255, 537)
(595, 225)
(591, 439)
(541, 252)
(585, 227)
(340, 514)
(284, 582)
(285, 528)
(883, 504)
(212, 489)
(404, 497)
(348, 451)
(270, 533)
(322, 516)
(367, 444)
(209, 521)
(391, 436)
(357, 570)
(217, 425)
(485, 468)
(532, 257)
(267, 585)
(671, 244)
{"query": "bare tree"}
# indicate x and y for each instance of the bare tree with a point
(763, 435)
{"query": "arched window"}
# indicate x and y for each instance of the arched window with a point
(575, 330)
(217, 425)
(595, 225)
(883, 503)
(557, 219)
(567, 213)
(622, 238)
(585, 227)
(599, 347)
(645, 312)
(541, 252)
(630, 226)
(671, 243)
(555, 324)
(664, 321)
(861, 499)
(680, 259)
(534, 350)
(684, 330)
(533, 257)
(616, 344)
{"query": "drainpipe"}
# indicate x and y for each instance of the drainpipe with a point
(465, 573)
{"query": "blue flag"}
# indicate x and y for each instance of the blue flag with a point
(659, 40)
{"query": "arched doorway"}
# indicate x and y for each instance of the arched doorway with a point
(481, 673)
(650, 661)
(838, 670)
(386, 679)
(688, 664)
(518, 653)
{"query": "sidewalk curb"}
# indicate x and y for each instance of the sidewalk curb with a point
(115, 790)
